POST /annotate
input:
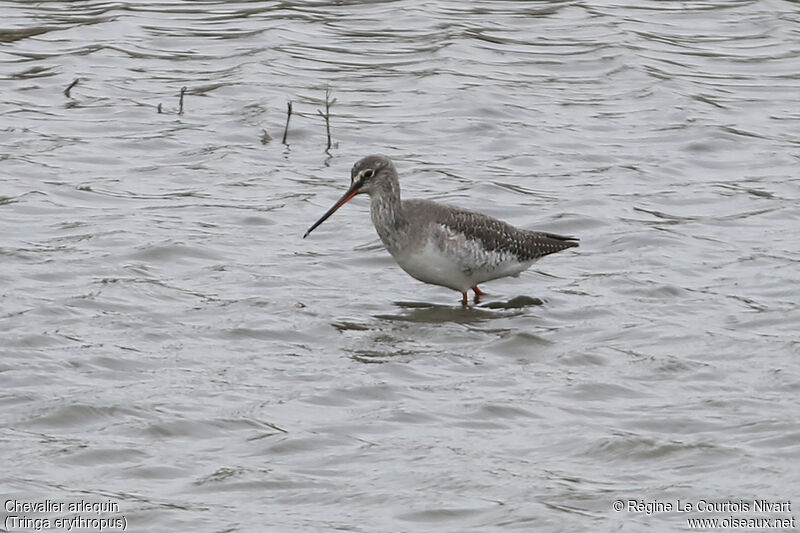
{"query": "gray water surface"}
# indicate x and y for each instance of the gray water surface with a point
(170, 344)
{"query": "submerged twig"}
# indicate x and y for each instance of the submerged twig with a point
(288, 116)
(180, 102)
(159, 108)
(70, 86)
(327, 115)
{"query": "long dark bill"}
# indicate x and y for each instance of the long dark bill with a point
(346, 197)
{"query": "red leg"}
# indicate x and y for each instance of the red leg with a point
(464, 300)
(478, 292)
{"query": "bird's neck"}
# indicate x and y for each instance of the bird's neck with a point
(386, 211)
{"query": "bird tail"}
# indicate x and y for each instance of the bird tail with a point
(568, 241)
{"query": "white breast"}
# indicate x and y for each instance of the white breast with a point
(451, 260)
(430, 265)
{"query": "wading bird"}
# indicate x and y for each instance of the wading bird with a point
(441, 244)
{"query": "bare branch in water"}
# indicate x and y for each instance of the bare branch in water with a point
(288, 116)
(70, 86)
(327, 115)
(180, 102)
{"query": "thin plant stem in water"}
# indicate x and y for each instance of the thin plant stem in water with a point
(180, 102)
(70, 86)
(327, 115)
(288, 116)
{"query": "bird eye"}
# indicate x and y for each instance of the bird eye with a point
(367, 174)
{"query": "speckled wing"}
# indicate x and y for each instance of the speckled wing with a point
(494, 235)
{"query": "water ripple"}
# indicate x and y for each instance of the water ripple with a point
(163, 319)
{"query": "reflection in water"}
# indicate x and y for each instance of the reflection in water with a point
(433, 314)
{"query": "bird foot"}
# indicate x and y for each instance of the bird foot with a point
(478, 294)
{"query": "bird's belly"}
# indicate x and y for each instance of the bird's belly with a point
(432, 265)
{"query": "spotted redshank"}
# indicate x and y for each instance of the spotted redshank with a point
(441, 244)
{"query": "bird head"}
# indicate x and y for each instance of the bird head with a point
(367, 175)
